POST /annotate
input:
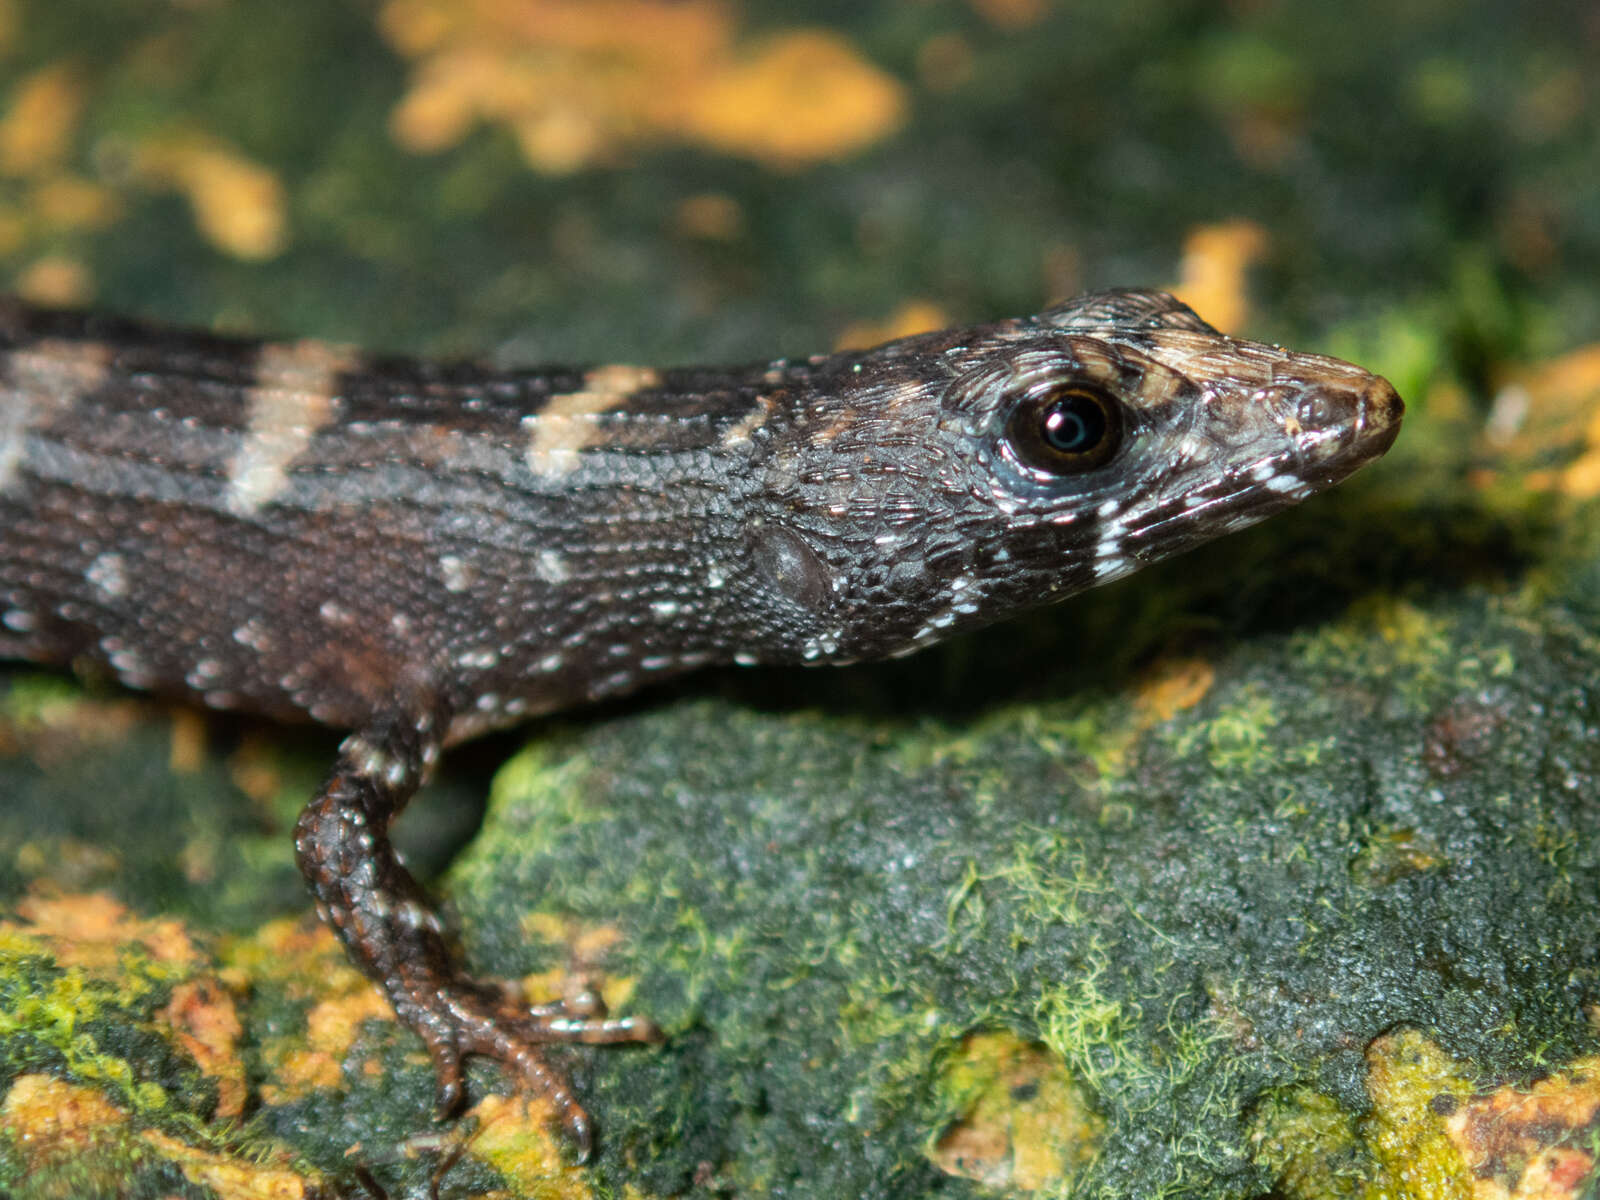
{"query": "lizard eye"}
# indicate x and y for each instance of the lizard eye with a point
(1063, 430)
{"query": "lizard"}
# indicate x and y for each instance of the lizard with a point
(420, 552)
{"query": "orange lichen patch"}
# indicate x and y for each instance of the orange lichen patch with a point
(231, 1178)
(303, 956)
(56, 281)
(256, 769)
(1551, 411)
(1172, 686)
(800, 98)
(912, 317)
(186, 753)
(51, 1121)
(714, 216)
(573, 80)
(65, 202)
(1534, 1142)
(205, 1023)
(1023, 1124)
(40, 120)
(1411, 1082)
(238, 205)
(1212, 275)
(54, 1124)
(305, 961)
(585, 943)
(332, 1027)
(582, 81)
(1012, 14)
(515, 1135)
(587, 948)
(93, 931)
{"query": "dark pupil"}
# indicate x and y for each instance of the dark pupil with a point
(1074, 425)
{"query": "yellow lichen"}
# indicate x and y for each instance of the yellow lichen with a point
(1212, 275)
(206, 1026)
(306, 962)
(56, 281)
(800, 98)
(516, 1135)
(912, 317)
(94, 931)
(239, 205)
(49, 1112)
(1023, 1122)
(1172, 686)
(40, 120)
(578, 82)
(232, 1178)
(714, 216)
(1411, 1082)
(317, 1061)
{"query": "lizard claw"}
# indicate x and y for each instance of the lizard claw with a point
(457, 1020)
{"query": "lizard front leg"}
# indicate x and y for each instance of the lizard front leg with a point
(391, 931)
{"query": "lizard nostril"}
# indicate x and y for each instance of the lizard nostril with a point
(1315, 411)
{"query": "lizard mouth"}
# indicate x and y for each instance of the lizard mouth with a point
(1331, 431)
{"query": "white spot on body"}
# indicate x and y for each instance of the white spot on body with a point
(291, 402)
(551, 567)
(417, 916)
(19, 621)
(108, 575)
(130, 668)
(664, 608)
(204, 674)
(480, 659)
(456, 575)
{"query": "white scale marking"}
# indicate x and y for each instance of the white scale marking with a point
(293, 401)
(108, 574)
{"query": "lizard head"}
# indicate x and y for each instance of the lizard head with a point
(946, 481)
